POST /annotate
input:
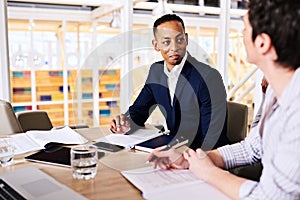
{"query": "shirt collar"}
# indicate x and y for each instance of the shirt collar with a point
(177, 69)
(291, 91)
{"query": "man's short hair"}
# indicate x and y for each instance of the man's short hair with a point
(279, 19)
(167, 18)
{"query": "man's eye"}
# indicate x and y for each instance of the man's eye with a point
(166, 43)
(180, 40)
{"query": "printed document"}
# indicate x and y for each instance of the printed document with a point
(167, 184)
(36, 140)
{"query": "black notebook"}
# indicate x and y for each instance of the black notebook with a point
(56, 155)
(162, 140)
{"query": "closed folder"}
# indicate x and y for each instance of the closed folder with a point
(162, 140)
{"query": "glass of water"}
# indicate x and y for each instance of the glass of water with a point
(6, 151)
(84, 161)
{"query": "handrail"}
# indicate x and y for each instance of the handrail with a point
(241, 83)
(245, 92)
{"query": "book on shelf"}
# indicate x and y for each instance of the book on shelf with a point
(171, 184)
(37, 140)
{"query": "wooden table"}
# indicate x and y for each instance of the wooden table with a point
(108, 183)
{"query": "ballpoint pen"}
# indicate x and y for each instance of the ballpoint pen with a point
(118, 125)
(173, 144)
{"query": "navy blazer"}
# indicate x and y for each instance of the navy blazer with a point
(199, 105)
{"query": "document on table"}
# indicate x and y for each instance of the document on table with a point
(164, 184)
(36, 140)
(128, 141)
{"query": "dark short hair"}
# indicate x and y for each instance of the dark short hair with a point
(167, 18)
(280, 19)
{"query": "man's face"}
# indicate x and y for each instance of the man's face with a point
(249, 44)
(171, 41)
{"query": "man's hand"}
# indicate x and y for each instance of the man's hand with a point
(120, 124)
(167, 159)
(199, 163)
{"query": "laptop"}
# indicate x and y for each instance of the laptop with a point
(32, 183)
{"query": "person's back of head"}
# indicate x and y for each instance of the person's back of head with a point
(279, 19)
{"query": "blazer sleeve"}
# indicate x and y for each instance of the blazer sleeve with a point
(143, 105)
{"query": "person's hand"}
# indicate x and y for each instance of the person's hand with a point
(199, 163)
(120, 124)
(167, 159)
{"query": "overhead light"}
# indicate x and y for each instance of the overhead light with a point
(162, 8)
(116, 20)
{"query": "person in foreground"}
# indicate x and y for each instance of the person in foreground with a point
(272, 39)
(190, 94)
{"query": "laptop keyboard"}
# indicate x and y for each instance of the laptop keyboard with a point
(8, 193)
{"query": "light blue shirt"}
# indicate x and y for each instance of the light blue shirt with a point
(276, 141)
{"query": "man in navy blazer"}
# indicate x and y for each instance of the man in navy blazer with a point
(190, 94)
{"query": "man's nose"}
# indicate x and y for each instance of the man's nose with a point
(173, 45)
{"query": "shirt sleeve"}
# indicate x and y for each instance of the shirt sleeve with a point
(281, 173)
(245, 152)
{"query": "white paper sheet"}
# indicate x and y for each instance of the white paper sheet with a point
(171, 184)
(128, 141)
(35, 140)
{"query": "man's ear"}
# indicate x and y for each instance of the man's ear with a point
(154, 43)
(187, 38)
(264, 46)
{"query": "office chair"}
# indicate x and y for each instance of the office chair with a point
(34, 120)
(236, 131)
(8, 121)
(39, 120)
(237, 121)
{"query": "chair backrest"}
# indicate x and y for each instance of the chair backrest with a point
(8, 121)
(237, 121)
(34, 120)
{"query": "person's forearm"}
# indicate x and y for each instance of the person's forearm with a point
(216, 158)
(226, 182)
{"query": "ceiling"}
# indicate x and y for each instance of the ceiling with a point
(93, 9)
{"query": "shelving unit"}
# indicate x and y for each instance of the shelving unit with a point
(49, 90)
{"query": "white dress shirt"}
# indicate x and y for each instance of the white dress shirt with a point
(173, 76)
(276, 141)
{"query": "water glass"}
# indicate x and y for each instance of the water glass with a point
(6, 151)
(84, 161)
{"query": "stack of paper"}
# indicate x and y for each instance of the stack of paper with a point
(36, 140)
